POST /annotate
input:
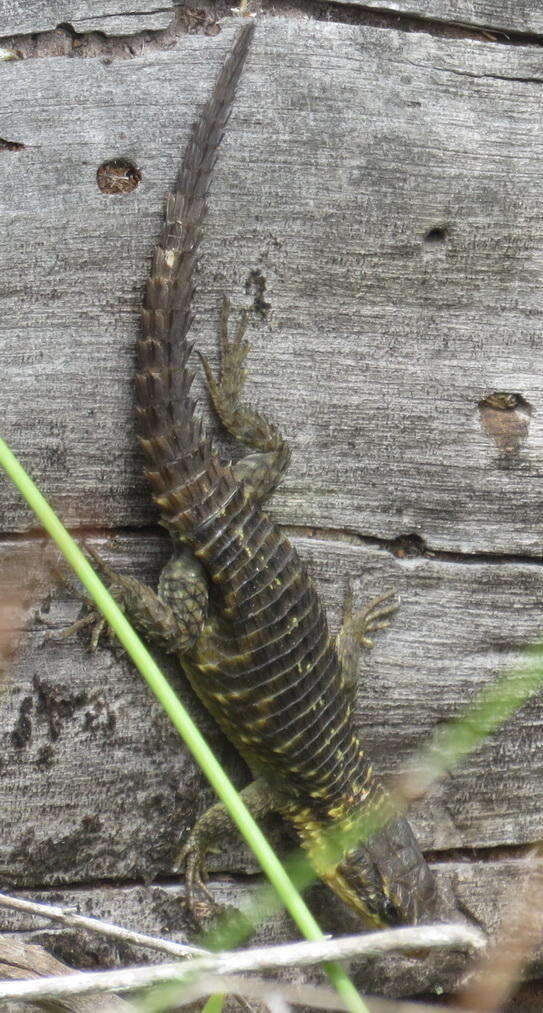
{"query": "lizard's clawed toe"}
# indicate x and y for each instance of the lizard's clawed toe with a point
(92, 620)
(199, 900)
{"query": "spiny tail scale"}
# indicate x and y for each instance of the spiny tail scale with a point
(183, 471)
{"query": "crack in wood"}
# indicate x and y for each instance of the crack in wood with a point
(390, 18)
(402, 545)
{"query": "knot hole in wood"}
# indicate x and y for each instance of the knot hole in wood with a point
(505, 418)
(118, 176)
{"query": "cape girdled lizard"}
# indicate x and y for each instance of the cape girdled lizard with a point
(235, 603)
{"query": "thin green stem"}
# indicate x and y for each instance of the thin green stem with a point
(214, 1004)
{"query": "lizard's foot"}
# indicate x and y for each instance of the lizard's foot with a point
(355, 631)
(173, 618)
(93, 618)
(241, 420)
(199, 900)
(227, 393)
(118, 586)
(207, 831)
(374, 617)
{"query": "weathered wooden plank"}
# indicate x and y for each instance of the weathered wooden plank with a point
(20, 960)
(90, 762)
(123, 17)
(128, 24)
(521, 16)
(380, 212)
(85, 752)
(483, 887)
(111, 17)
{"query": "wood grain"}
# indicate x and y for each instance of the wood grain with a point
(122, 17)
(524, 16)
(20, 960)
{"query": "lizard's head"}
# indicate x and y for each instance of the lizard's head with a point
(385, 879)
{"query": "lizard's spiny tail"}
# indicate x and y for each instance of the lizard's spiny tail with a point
(177, 449)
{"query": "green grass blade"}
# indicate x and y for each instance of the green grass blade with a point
(214, 1005)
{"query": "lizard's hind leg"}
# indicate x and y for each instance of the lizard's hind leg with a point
(260, 472)
(205, 837)
(173, 618)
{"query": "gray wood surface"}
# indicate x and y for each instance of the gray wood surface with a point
(374, 346)
(483, 888)
(111, 17)
(87, 750)
(378, 204)
(124, 17)
(515, 15)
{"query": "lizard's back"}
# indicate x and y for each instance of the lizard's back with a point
(268, 661)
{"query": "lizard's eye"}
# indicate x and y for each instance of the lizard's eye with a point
(392, 912)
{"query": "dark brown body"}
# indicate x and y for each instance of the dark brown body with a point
(240, 609)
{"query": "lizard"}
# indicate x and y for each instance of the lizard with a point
(235, 603)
